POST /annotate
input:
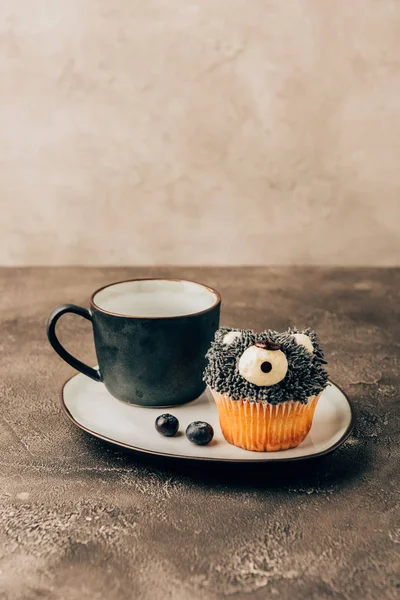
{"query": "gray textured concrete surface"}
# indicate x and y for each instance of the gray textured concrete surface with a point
(80, 519)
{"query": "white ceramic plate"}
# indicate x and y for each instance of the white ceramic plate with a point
(92, 408)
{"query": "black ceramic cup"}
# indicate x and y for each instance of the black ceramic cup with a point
(151, 337)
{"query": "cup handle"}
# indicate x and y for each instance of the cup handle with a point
(77, 364)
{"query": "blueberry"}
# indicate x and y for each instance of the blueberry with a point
(167, 425)
(199, 433)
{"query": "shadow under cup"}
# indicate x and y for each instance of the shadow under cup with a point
(151, 337)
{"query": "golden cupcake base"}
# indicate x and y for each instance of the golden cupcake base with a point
(262, 427)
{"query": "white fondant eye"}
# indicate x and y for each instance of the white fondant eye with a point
(230, 336)
(303, 340)
(263, 367)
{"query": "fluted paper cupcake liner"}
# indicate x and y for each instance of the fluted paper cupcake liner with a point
(263, 427)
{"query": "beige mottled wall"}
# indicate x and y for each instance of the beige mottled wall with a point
(208, 131)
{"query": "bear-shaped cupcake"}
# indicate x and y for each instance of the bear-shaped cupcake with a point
(266, 386)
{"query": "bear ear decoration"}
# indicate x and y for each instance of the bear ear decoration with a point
(230, 337)
(302, 339)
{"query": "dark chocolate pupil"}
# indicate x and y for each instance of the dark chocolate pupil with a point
(266, 366)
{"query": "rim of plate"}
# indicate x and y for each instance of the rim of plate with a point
(332, 448)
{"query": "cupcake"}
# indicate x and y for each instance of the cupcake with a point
(266, 386)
